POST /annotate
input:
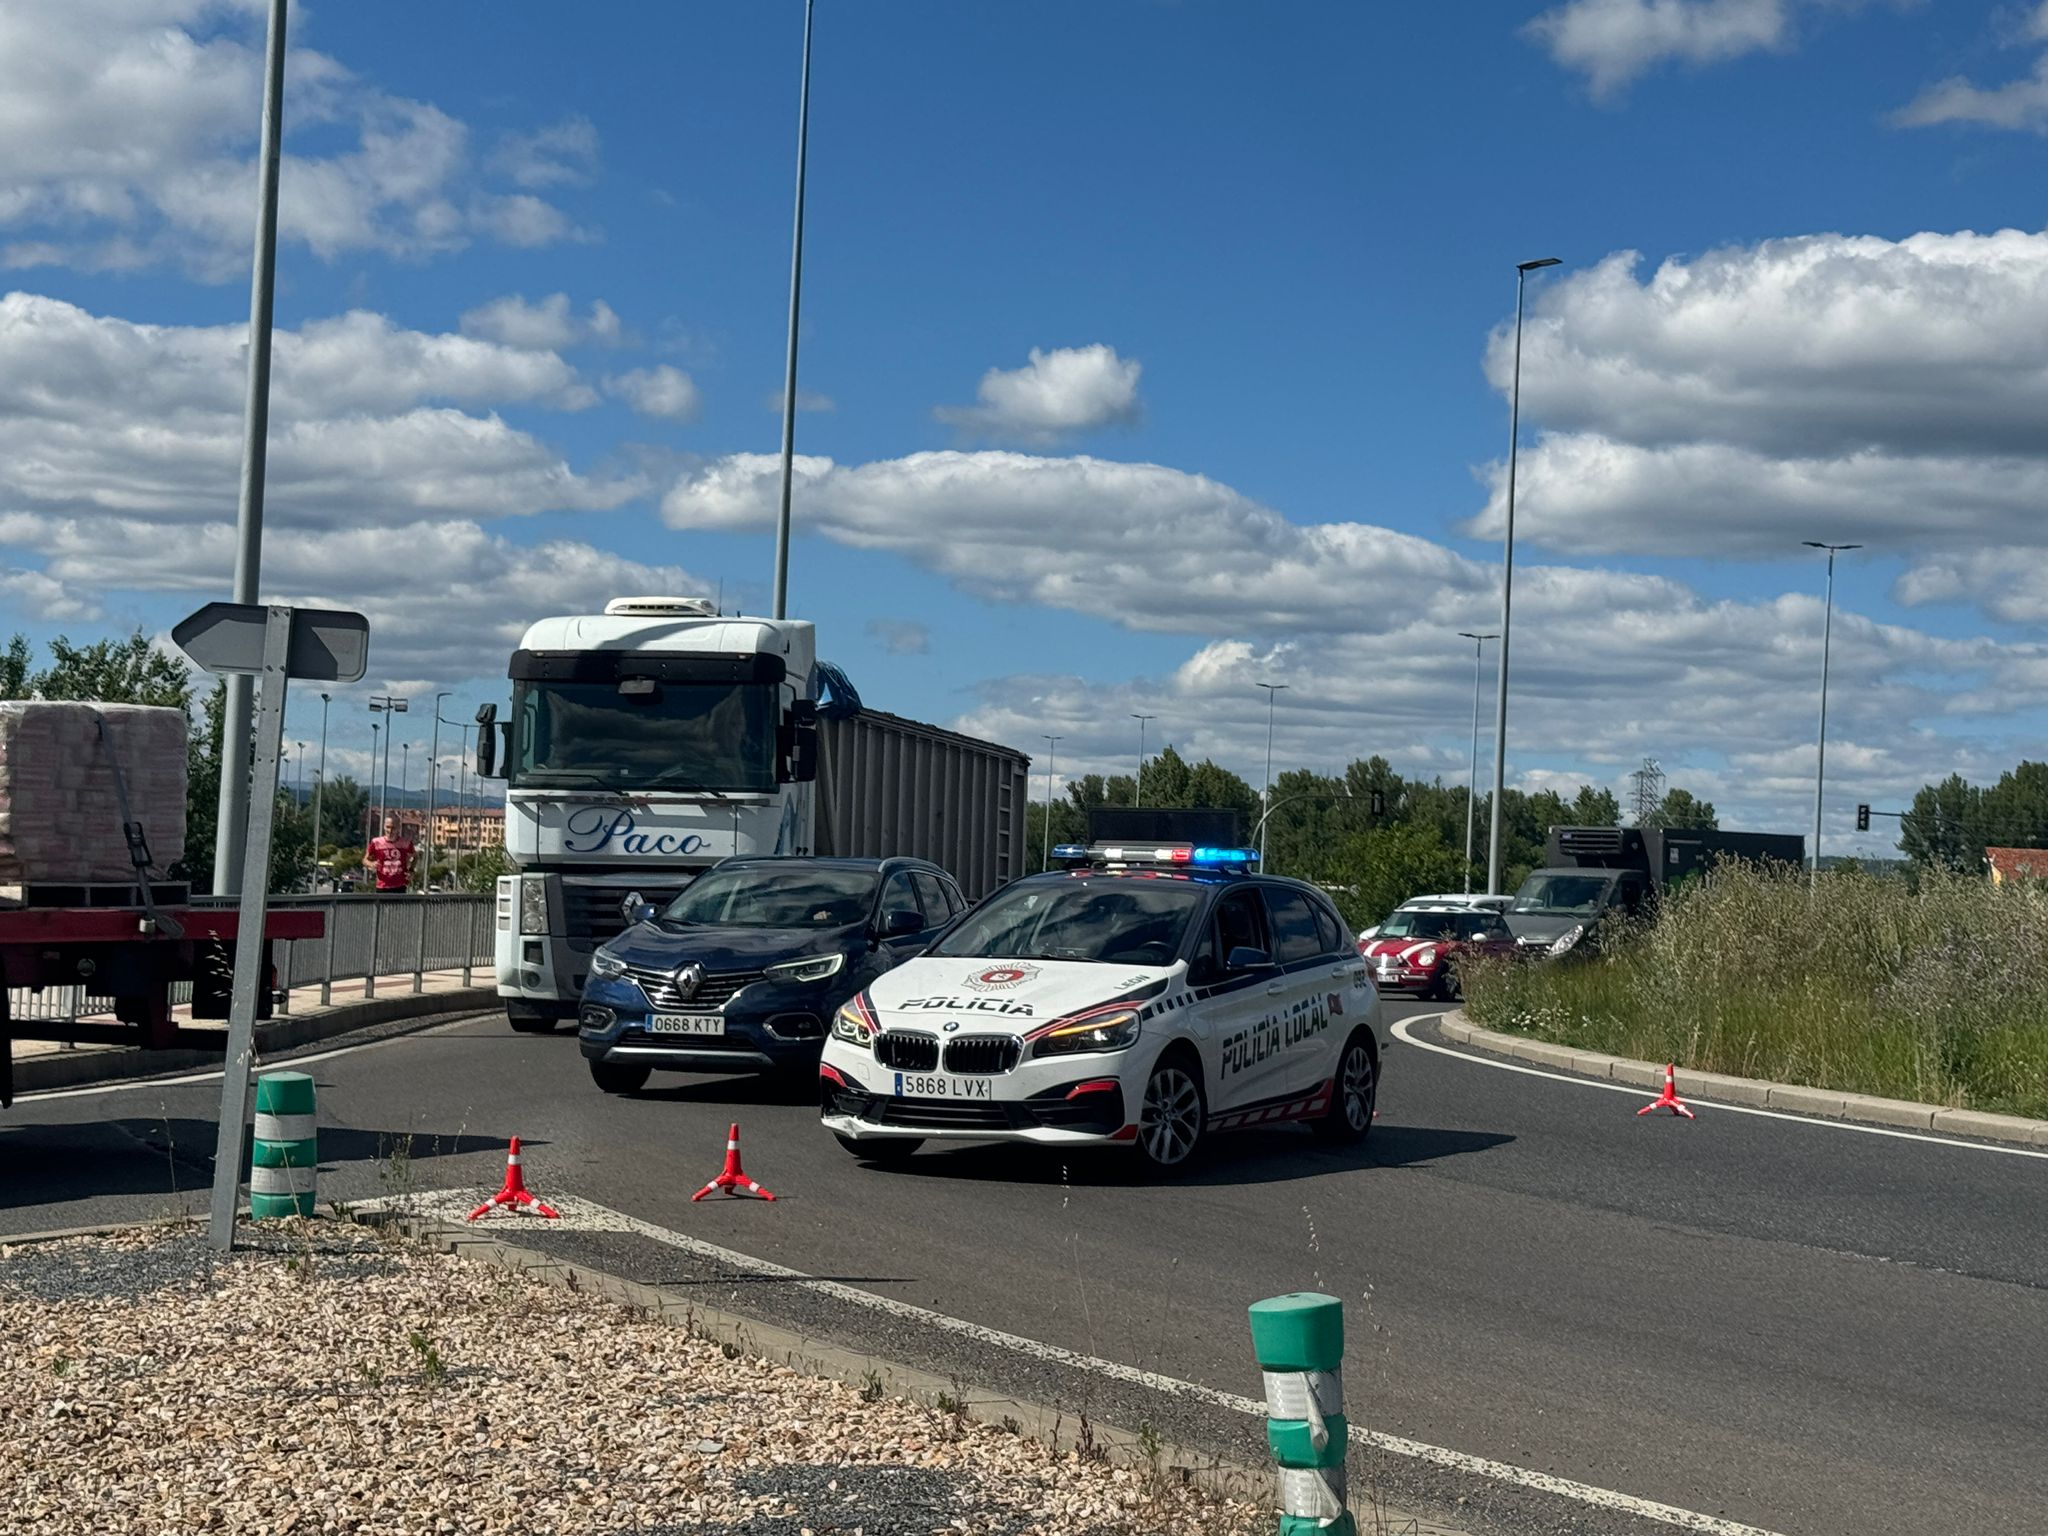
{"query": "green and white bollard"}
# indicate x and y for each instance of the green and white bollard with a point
(1299, 1340)
(285, 1154)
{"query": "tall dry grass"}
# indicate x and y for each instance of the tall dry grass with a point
(1936, 991)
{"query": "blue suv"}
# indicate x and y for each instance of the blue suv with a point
(744, 970)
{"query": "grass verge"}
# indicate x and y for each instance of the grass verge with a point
(1935, 991)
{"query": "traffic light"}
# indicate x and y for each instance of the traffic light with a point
(1862, 818)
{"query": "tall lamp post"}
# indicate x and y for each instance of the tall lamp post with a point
(1273, 691)
(1827, 633)
(320, 784)
(1472, 789)
(1138, 794)
(796, 288)
(376, 801)
(1051, 744)
(1507, 584)
(433, 782)
(386, 705)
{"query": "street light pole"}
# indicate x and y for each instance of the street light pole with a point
(1273, 691)
(1051, 745)
(388, 706)
(1507, 585)
(1138, 794)
(796, 288)
(1827, 632)
(320, 785)
(1472, 784)
(231, 822)
(433, 782)
(376, 800)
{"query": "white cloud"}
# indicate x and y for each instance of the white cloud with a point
(1058, 393)
(561, 154)
(101, 416)
(127, 139)
(901, 637)
(42, 596)
(2021, 103)
(1611, 42)
(545, 325)
(1829, 386)
(663, 392)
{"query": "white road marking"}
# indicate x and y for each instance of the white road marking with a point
(209, 1074)
(587, 1215)
(1402, 1033)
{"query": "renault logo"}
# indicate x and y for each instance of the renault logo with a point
(688, 979)
(633, 899)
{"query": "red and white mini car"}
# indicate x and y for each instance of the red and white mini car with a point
(1415, 949)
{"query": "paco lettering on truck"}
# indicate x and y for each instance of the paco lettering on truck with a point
(1274, 1033)
(595, 828)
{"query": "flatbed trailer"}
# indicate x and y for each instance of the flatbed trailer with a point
(129, 957)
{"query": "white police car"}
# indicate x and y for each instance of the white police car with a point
(1145, 998)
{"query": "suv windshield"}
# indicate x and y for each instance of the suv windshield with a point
(1439, 925)
(777, 898)
(1111, 918)
(1579, 895)
(683, 736)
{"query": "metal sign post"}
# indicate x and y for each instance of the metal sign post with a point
(276, 644)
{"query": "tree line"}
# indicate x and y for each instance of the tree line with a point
(1953, 822)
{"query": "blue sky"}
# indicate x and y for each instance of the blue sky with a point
(1263, 250)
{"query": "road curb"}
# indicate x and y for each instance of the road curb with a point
(1793, 1098)
(282, 1032)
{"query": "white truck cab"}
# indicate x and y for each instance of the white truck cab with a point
(644, 744)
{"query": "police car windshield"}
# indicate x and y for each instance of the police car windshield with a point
(1117, 920)
(776, 898)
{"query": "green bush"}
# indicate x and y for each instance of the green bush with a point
(1935, 991)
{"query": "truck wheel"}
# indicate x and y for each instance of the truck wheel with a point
(882, 1149)
(529, 1020)
(613, 1078)
(1355, 1093)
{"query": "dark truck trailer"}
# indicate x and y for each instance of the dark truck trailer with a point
(1592, 875)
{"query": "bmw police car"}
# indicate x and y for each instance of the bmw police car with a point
(1145, 997)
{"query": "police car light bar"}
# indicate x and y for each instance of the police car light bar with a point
(1160, 853)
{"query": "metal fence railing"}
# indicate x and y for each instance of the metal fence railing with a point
(366, 938)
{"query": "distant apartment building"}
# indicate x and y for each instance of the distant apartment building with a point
(461, 826)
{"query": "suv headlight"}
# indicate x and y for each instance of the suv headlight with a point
(1109, 1029)
(533, 904)
(810, 968)
(1568, 938)
(855, 1023)
(605, 963)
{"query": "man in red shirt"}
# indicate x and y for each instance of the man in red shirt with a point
(391, 857)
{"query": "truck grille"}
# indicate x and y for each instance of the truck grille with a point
(907, 1053)
(983, 1055)
(714, 992)
(590, 909)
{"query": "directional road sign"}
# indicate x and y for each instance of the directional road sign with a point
(328, 645)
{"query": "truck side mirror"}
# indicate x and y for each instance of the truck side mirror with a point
(486, 741)
(797, 741)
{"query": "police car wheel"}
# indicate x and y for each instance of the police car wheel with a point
(880, 1149)
(1171, 1113)
(1357, 1093)
(613, 1078)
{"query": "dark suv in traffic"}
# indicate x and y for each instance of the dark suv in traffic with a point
(743, 971)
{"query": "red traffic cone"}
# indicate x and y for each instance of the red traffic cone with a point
(515, 1193)
(1669, 1098)
(733, 1180)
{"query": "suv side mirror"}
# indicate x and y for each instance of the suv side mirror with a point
(1245, 958)
(901, 922)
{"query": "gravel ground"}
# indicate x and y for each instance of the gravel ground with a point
(333, 1380)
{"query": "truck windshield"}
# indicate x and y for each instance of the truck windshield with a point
(1117, 920)
(1578, 895)
(681, 736)
(769, 898)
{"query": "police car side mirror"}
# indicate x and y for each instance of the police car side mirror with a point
(1245, 958)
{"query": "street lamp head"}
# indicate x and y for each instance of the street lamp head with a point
(1540, 261)
(1830, 548)
(1466, 634)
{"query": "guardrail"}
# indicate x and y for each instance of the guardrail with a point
(367, 937)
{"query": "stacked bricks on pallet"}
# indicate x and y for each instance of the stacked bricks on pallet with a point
(1299, 1340)
(285, 1155)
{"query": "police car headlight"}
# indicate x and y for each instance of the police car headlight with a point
(1091, 1032)
(810, 968)
(854, 1024)
(1426, 958)
(1567, 939)
(605, 963)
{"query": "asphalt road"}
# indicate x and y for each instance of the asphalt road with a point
(1784, 1324)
